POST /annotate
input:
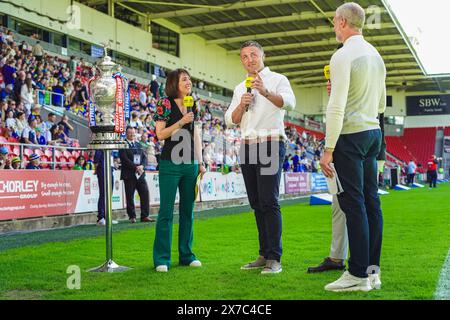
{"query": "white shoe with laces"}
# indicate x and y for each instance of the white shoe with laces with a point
(195, 263)
(101, 222)
(375, 281)
(162, 268)
(347, 282)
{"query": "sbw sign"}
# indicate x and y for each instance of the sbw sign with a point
(428, 105)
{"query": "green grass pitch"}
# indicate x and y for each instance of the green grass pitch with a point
(415, 245)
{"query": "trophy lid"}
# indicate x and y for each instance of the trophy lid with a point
(106, 63)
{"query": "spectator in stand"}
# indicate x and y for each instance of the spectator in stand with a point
(134, 121)
(11, 124)
(9, 72)
(27, 95)
(66, 125)
(29, 133)
(38, 51)
(79, 94)
(296, 161)
(58, 94)
(4, 162)
(16, 163)
(51, 120)
(411, 171)
(73, 64)
(40, 136)
(18, 87)
(432, 171)
(34, 162)
(21, 123)
(154, 87)
(315, 165)
(80, 163)
(143, 97)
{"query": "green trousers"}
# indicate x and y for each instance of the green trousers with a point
(172, 177)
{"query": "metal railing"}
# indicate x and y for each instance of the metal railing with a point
(33, 147)
(47, 98)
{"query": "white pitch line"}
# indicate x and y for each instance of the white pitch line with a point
(443, 287)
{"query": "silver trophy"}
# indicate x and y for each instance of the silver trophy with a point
(103, 100)
(103, 96)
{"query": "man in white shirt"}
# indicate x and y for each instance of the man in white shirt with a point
(260, 114)
(353, 141)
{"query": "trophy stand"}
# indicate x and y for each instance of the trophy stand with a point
(109, 265)
(103, 94)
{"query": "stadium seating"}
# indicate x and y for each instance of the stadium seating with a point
(398, 149)
(421, 142)
(447, 131)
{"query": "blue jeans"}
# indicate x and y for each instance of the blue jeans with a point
(356, 165)
(263, 191)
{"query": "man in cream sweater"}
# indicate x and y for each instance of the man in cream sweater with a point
(353, 141)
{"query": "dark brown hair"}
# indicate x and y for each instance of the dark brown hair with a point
(172, 82)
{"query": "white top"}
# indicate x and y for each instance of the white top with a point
(358, 90)
(263, 117)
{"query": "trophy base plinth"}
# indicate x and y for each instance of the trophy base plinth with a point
(106, 141)
(109, 266)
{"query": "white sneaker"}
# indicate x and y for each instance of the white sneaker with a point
(347, 282)
(162, 268)
(102, 222)
(195, 263)
(375, 281)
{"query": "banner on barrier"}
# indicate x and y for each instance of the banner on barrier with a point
(235, 186)
(153, 188)
(296, 182)
(26, 194)
(318, 182)
(213, 186)
(89, 193)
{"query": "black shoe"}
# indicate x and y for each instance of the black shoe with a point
(147, 219)
(327, 265)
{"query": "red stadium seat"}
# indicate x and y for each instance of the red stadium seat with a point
(39, 152)
(16, 151)
(28, 152)
(71, 162)
(3, 139)
(44, 162)
(48, 153)
(63, 162)
(76, 154)
(67, 154)
(58, 154)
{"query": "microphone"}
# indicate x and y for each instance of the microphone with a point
(248, 85)
(326, 71)
(188, 102)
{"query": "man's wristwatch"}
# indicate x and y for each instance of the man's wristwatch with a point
(180, 125)
(329, 149)
(267, 93)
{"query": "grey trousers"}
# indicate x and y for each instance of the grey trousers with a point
(339, 237)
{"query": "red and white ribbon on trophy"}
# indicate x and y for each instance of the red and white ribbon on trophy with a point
(119, 116)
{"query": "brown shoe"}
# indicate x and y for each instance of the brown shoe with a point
(133, 220)
(147, 219)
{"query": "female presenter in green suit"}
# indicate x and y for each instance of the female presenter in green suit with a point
(181, 162)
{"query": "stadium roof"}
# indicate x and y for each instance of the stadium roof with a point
(297, 35)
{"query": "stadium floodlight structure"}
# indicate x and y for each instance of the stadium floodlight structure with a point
(108, 108)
